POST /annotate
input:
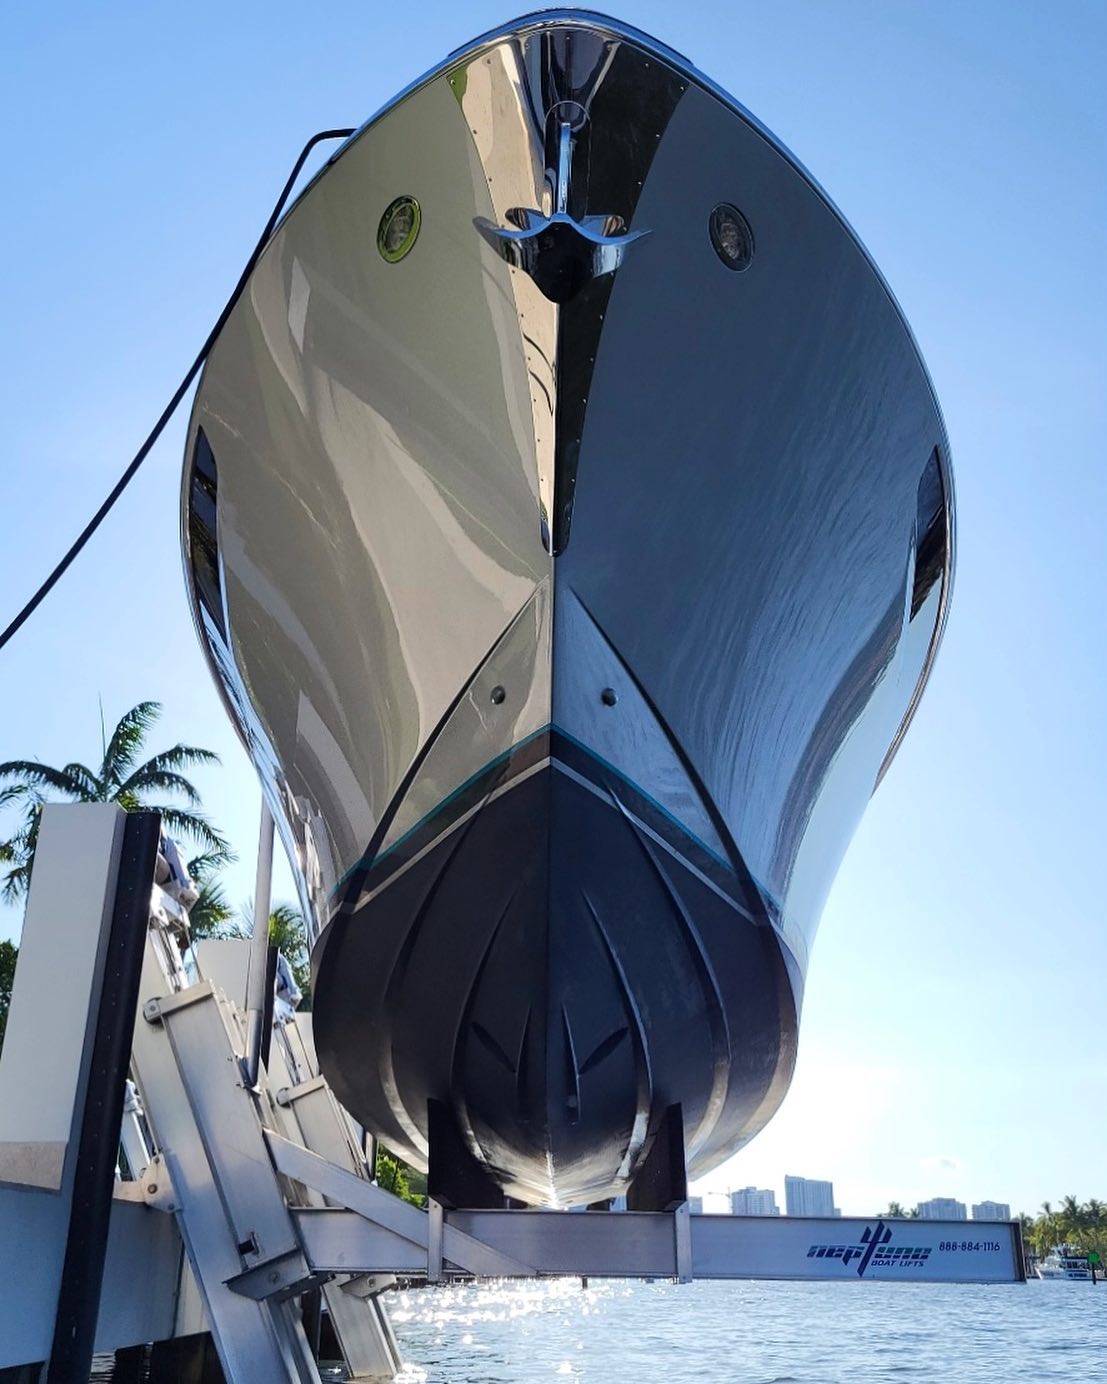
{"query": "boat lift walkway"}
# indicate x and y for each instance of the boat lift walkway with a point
(246, 1200)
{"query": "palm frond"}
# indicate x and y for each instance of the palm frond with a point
(32, 774)
(16, 883)
(26, 838)
(81, 774)
(147, 780)
(22, 844)
(286, 923)
(126, 741)
(194, 826)
(19, 850)
(172, 761)
(202, 867)
(211, 914)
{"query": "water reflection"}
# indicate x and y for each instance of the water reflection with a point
(748, 1333)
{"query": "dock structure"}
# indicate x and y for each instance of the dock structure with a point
(152, 1189)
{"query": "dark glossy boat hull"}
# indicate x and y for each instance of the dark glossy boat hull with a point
(568, 520)
(556, 972)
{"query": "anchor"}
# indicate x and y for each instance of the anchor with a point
(560, 253)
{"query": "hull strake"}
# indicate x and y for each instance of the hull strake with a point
(570, 590)
(555, 967)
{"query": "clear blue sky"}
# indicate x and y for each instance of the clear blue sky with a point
(955, 1033)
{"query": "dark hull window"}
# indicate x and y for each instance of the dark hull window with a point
(930, 534)
(203, 541)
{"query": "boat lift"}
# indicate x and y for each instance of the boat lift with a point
(173, 1164)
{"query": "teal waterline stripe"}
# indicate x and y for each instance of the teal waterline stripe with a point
(492, 764)
(550, 727)
(599, 759)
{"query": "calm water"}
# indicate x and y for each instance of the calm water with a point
(752, 1333)
(748, 1333)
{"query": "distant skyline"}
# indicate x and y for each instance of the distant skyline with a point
(718, 1199)
(952, 1040)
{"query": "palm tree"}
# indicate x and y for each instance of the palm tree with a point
(286, 927)
(1072, 1219)
(210, 914)
(30, 784)
(1095, 1214)
(287, 931)
(1046, 1229)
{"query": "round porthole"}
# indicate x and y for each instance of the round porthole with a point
(398, 229)
(731, 236)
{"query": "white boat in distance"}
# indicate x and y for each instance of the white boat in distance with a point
(568, 522)
(1063, 1264)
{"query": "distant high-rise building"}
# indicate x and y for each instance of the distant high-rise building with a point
(942, 1209)
(991, 1211)
(754, 1201)
(695, 1206)
(804, 1196)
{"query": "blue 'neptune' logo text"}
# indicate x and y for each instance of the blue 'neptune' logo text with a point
(874, 1250)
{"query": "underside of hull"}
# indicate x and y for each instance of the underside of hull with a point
(567, 518)
(555, 970)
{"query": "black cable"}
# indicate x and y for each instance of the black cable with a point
(171, 408)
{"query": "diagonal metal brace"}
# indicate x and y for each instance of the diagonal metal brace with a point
(347, 1189)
